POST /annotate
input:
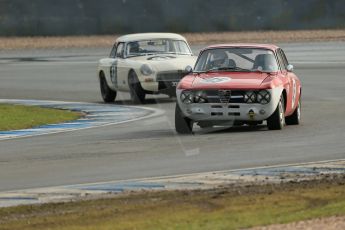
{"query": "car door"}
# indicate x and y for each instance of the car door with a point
(115, 68)
(121, 68)
(291, 81)
(108, 66)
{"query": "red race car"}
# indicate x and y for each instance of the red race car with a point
(238, 84)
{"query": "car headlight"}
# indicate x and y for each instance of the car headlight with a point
(146, 70)
(263, 97)
(189, 97)
(250, 97)
(200, 97)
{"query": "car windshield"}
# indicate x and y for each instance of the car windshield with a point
(237, 59)
(157, 46)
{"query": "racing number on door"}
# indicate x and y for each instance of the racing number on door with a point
(113, 73)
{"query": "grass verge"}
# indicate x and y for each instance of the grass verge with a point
(16, 43)
(13, 117)
(225, 208)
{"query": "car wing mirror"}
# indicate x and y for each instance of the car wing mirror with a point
(289, 68)
(188, 69)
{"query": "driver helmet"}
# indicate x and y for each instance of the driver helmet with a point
(219, 58)
(134, 47)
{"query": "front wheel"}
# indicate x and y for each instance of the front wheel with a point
(183, 125)
(135, 89)
(108, 95)
(277, 120)
(295, 118)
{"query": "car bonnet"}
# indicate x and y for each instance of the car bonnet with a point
(234, 80)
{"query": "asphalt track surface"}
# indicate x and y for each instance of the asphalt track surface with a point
(150, 147)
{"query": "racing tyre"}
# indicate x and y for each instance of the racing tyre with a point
(108, 94)
(295, 118)
(277, 120)
(183, 125)
(136, 91)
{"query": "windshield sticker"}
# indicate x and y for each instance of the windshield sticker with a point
(215, 80)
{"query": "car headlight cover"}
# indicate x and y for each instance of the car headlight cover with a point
(200, 97)
(146, 70)
(263, 97)
(250, 97)
(189, 97)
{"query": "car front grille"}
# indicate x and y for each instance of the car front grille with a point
(225, 96)
(171, 76)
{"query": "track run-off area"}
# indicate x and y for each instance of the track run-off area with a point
(150, 147)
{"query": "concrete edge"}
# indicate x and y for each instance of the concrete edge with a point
(207, 180)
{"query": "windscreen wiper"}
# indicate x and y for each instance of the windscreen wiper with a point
(224, 69)
(234, 68)
(136, 55)
(210, 70)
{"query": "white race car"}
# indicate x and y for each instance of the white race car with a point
(147, 63)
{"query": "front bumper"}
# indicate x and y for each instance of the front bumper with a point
(162, 82)
(230, 111)
(165, 87)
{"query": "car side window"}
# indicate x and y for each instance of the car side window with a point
(113, 51)
(280, 59)
(119, 50)
(285, 61)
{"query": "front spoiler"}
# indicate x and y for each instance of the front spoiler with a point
(230, 112)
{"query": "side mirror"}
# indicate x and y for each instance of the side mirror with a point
(188, 69)
(289, 68)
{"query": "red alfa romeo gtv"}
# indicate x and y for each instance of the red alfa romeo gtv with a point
(239, 84)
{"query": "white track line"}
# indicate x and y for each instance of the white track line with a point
(154, 113)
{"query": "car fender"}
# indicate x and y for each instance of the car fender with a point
(104, 66)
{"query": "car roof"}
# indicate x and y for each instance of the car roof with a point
(243, 45)
(147, 36)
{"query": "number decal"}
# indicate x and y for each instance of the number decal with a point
(215, 80)
(113, 74)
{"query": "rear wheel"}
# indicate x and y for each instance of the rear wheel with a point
(277, 120)
(108, 95)
(183, 125)
(135, 89)
(295, 118)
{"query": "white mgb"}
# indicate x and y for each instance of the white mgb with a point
(147, 63)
